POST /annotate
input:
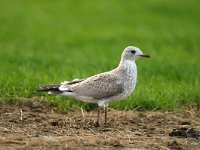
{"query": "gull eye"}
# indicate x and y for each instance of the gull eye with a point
(133, 51)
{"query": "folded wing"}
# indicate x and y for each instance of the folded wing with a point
(100, 87)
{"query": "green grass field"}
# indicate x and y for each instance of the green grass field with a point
(45, 42)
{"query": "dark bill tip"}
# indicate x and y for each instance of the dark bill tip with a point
(144, 55)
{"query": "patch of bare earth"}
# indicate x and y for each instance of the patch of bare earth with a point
(34, 125)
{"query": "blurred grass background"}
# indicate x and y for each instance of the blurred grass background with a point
(45, 42)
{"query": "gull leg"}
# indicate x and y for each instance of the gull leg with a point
(106, 114)
(98, 117)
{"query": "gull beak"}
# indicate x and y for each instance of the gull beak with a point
(144, 55)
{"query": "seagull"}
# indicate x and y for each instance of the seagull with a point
(102, 88)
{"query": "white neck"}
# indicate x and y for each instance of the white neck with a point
(127, 66)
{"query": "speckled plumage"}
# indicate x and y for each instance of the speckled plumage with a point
(106, 87)
(103, 88)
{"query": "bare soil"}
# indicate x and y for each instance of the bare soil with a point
(35, 125)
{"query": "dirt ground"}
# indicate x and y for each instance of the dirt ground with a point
(35, 125)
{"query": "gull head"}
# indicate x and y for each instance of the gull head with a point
(133, 53)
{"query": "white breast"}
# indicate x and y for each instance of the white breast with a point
(131, 77)
(128, 72)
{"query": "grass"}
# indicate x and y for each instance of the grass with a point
(50, 41)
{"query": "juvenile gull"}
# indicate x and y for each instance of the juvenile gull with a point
(103, 88)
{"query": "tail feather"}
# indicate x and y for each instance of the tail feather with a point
(52, 89)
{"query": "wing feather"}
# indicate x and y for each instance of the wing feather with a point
(100, 86)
